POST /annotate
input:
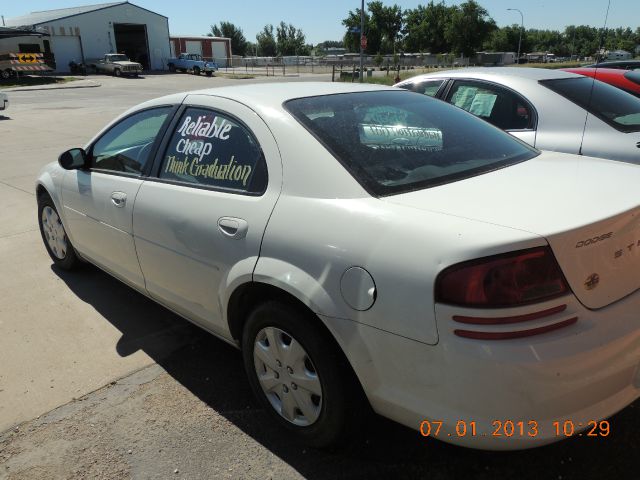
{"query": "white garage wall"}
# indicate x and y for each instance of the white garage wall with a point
(69, 48)
(193, 46)
(96, 33)
(219, 53)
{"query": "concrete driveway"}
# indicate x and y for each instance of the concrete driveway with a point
(96, 381)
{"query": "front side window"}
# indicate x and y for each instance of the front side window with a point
(208, 148)
(426, 87)
(126, 147)
(612, 105)
(499, 106)
(397, 141)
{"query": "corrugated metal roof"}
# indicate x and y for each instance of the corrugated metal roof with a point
(37, 18)
(10, 32)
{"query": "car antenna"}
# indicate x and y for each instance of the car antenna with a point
(595, 74)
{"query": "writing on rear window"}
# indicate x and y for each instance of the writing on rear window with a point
(401, 137)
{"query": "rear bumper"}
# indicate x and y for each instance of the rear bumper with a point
(579, 374)
(4, 104)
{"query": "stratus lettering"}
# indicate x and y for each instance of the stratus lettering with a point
(231, 171)
(204, 129)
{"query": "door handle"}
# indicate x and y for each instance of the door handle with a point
(233, 227)
(119, 199)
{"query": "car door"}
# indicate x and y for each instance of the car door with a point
(501, 106)
(199, 221)
(98, 201)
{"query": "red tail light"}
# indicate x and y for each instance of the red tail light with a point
(507, 280)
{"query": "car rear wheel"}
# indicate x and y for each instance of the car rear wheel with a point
(196, 70)
(54, 235)
(299, 374)
(172, 67)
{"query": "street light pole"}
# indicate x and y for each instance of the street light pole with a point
(521, 28)
(361, 34)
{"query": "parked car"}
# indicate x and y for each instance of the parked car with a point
(192, 61)
(620, 64)
(549, 109)
(116, 64)
(4, 101)
(363, 244)
(627, 80)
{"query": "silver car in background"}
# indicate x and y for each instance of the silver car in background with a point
(549, 109)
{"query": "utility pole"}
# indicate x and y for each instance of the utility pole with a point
(361, 41)
(521, 28)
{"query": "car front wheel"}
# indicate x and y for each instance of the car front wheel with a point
(54, 235)
(117, 73)
(299, 374)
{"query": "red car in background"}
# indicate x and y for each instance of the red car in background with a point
(628, 80)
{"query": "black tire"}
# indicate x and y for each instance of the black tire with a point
(117, 72)
(172, 68)
(209, 73)
(67, 260)
(196, 70)
(341, 399)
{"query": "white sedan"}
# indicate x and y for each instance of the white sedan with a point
(369, 245)
(549, 109)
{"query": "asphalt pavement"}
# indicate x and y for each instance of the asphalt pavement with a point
(97, 381)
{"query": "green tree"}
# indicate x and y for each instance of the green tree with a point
(266, 42)
(506, 39)
(290, 40)
(469, 27)
(382, 26)
(229, 30)
(424, 28)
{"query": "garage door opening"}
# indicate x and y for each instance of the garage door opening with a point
(131, 39)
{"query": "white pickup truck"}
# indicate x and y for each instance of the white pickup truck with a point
(116, 64)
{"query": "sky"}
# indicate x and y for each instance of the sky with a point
(321, 20)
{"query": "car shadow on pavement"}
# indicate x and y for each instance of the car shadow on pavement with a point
(213, 371)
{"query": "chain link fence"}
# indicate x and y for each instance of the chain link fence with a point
(340, 67)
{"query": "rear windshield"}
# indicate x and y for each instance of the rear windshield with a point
(633, 76)
(398, 141)
(612, 105)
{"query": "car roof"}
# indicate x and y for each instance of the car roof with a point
(496, 73)
(275, 94)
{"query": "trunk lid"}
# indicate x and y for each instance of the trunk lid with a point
(588, 209)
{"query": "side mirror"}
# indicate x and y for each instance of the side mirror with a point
(73, 159)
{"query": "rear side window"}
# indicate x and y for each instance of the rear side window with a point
(397, 141)
(501, 107)
(211, 149)
(612, 105)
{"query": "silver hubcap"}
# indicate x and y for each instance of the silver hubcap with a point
(287, 376)
(54, 232)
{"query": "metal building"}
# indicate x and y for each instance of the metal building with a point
(217, 49)
(85, 33)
